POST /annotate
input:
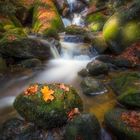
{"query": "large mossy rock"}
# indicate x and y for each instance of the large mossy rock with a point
(91, 86)
(122, 29)
(127, 86)
(123, 129)
(99, 43)
(96, 68)
(48, 105)
(24, 48)
(46, 19)
(83, 127)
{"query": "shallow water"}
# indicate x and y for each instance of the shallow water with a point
(62, 69)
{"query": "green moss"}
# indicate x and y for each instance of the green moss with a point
(48, 114)
(126, 85)
(118, 127)
(84, 127)
(95, 18)
(122, 28)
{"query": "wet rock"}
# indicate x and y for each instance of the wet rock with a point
(31, 63)
(83, 73)
(118, 121)
(105, 58)
(127, 86)
(118, 62)
(84, 126)
(91, 86)
(16, 129)
(122, 62)
(47, 105)
(25, 48)
(96, 68)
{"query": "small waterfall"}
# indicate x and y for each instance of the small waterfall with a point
(75, 18)
(53, 48)
(54, 51)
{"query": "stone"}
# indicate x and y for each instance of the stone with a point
(47, 105)
(84, 126)
(96, 68)
(17, 129)
(25, 48)
(83, 73)
(126, 86)
(91, 86)
(31, 63)
(122, 29)
(121, 128)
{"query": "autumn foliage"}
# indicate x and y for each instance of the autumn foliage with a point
(132, 53)
(132, 119)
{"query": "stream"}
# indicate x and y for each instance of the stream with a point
(62, 68)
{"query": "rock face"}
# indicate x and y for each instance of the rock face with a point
(119, 122)
(25, 48)
(126, 86)
(47, 106)
(91, 86)
(96, 68)
(83, 127)
(122, 29)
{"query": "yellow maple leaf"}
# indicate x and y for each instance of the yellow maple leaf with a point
(47, 93)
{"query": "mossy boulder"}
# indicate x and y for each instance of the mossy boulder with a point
(91, 86)
(121, 128)
(99, 43)
(122, 29)
(84, 126)
(126, 86)
(47, 105)
(96, 68)
(46, 18)
(24, 48)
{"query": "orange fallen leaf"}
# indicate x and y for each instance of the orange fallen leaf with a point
(47, 94)
(31, 90)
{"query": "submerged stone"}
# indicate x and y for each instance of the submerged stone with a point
(121, 123)
(83, 127)
(47, 105)
(91, 86)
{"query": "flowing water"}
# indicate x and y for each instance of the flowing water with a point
(62, 68)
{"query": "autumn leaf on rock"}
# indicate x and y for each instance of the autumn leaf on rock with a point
(47, 94)
(65, 88)
(31, 90)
